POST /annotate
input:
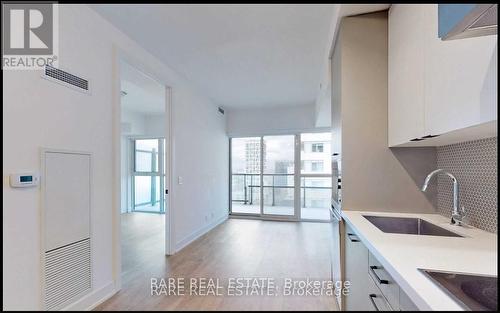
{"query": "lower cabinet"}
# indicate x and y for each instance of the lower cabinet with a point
(377, 300)
(371, 287)
(355, 269)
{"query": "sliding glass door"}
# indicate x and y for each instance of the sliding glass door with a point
(284, 176)
(315, 176)
(245, 176)
(148, 175)
(278, 178)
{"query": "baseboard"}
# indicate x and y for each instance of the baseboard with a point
(200, 232)
(93, 299)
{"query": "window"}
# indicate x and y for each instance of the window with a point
(315, 176)
(317, 147)
(264, 180)
(245, 175)
(317, 166)
(146, 155)
(148, 175)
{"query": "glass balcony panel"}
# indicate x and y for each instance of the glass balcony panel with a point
(315, 198)
(147, 193)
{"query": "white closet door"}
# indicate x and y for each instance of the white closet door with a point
(67, 198)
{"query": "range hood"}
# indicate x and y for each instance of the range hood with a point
(458, 21)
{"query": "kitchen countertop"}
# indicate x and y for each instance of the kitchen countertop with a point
(402, 255)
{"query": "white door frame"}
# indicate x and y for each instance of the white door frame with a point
(120, 55)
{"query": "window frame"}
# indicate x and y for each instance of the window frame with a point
(298, 176)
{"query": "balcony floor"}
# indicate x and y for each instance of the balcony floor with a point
(306, 213)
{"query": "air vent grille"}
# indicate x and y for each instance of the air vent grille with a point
(66, 78)
(67, 273)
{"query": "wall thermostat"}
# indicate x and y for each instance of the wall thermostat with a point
(22, 180)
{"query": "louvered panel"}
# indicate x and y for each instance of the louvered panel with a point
(67, 273)
(66, 78)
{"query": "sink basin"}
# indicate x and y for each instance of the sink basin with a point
(408, 225)
(473, 292)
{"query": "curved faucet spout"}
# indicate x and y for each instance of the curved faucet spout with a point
(433, 173)
(458, 213)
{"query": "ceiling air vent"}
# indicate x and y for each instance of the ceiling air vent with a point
(66, 79)
(221, 110)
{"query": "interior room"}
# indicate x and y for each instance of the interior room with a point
(250, 157)
(142, 164)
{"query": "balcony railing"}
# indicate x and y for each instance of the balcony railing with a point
(243, 187)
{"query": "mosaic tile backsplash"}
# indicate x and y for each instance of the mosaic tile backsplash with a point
(474, 164)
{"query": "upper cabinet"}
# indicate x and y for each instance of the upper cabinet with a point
(440, 92)
(405, 74)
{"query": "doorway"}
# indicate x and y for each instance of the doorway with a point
(144, 214)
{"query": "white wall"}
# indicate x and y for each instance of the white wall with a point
(58, 117)
(263, 121)
(374, 177)
(154, 125)
(134, 121)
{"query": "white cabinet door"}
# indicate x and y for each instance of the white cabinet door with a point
(406, 73)
(437, 87)
(356, 272)
(460, 78)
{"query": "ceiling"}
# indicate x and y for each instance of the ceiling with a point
(238, 55)
(144, 95)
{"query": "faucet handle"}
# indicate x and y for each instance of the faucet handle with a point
(465, 218)
(459, 218)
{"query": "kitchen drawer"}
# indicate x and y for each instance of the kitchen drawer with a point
(384, 281)
(377, 300)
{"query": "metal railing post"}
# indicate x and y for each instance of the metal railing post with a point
(153, 178)
(304, 195)
(251, 189)
(273, 191)
(245, 188)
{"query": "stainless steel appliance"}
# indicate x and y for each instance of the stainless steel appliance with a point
(336, 223)
(336, 185)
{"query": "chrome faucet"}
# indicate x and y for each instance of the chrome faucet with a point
(458, 214)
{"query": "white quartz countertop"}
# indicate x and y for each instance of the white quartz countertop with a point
(402, 255)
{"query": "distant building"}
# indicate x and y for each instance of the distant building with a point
(315, 155)
(252, 156)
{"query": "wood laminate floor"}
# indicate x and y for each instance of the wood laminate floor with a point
(235, 249)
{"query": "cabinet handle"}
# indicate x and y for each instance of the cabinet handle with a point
(430, 136)
(372, 295)
(352, 237)
(380, 281)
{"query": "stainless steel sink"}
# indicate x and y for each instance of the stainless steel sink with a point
(472, 292)
(408, 225)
